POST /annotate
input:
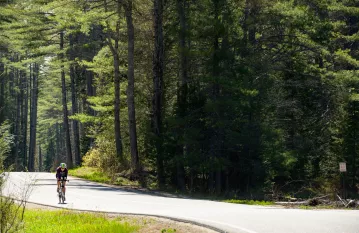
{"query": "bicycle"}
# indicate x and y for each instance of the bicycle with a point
(61, 192)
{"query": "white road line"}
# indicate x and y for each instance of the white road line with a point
(222, 223)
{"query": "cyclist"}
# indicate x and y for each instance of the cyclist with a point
(61, 173)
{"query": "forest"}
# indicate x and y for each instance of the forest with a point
(222, 97)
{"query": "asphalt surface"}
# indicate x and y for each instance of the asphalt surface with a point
(85, 195)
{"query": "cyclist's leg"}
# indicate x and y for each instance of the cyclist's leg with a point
(58, 184)
(64, 188)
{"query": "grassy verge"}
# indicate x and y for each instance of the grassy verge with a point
(250, 202)
(305, 207)
(66, 221)
(324, 207)
(90, 173)
(94, 174)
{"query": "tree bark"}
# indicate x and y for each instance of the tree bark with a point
(157, 99)
(40, 159)
(2, 92)
(18, 121)
(90, 92)
(27, 85)
(75, 125)
(131, 87)
(24, 117)
(216, 137)
(116, 64)
(59, 144)
(33, 118)
(183, 89)
(118, 138)
(64, 109)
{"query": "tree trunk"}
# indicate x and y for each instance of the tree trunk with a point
(11, 80)
(216, 137)
(25, 118)
(33, 118)
(354, 154)
(131, 87)
(18, 98)
(2, 92)
(218, 181)
(64, 109)
(73, 76)
(210, 183)
(75, 126)
(116, 64)
(118, 138)
(183, 89)
(59, 145)
(353, 29)
(90, 91)
(22, 113)
(40, 159)
(157, 99)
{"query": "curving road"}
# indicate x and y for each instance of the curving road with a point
(84, 195)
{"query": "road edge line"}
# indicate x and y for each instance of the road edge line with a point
(149, 215)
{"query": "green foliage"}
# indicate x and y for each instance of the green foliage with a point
(90, 173)
(169, 230)
(95, 174)
(102, 157)
(6, 139)
(11, 215)
(12, 208)
(250, 202)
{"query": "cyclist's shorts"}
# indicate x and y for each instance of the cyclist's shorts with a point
(61, 177)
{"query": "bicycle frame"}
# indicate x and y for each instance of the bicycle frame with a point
(61, 192)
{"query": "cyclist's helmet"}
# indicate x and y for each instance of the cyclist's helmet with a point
(63, 165)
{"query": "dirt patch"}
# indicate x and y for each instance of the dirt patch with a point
(147, 224)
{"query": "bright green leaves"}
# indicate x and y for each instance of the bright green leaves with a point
(6, 139)
(343, 56)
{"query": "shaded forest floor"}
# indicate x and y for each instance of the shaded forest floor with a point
(121, 181)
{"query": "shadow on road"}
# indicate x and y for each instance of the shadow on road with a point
(83, 184)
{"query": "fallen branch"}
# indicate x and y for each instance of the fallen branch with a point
(341, 200)
(292, 203)
(351, 203)
(321, 197)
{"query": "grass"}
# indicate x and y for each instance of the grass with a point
(170, 230)
(90, 173)
(66, 221)
(94, 174)
(250, 202)
(320, 207)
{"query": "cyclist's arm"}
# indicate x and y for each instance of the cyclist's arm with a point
(57, 173)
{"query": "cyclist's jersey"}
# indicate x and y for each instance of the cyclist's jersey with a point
(60, 173)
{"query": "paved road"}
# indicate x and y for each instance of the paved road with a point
(230, 218)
